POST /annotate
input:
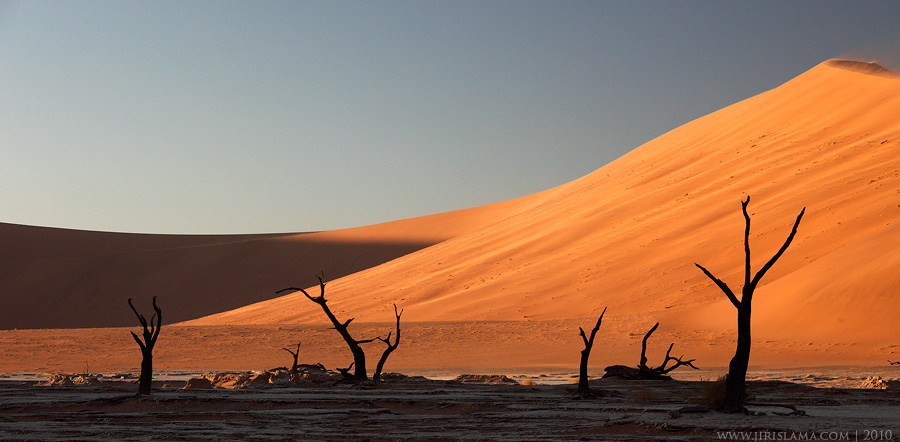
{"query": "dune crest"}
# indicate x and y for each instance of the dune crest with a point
(870, 68)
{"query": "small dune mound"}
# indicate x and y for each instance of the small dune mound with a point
(870, 68)
(198, 384)
(492, 379)
(238, 380)
(231, 380)
(57, 379)
(879, 383)
(279, 377)
(85, 380)
(64, 379)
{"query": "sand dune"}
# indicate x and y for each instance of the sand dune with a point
(53, 278)
(61, 278)
(627, 236)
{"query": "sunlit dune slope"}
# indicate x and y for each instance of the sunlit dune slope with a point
(59, 278)
(627, 236)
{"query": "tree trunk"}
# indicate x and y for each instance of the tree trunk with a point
(735, 382)
(584, 387)
(380, 366)
(359, 357)
(146, 379)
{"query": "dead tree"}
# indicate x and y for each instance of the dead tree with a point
(735, 381)
(359, 356)
(643, 371)
(584, 388)
(662, 370)
(390, 346)
(151, 332)
(295, 354)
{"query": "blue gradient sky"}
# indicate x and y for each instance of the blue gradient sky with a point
(238, 117)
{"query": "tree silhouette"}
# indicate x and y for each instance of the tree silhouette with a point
(359, 356)
(151, 332)
(584, 388)
(735, 381)
(643, 371)
(296, 355)
(662, 370)
(390, 346)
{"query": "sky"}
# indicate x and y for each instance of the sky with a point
(292, 116)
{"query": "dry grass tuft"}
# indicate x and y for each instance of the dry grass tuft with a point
(713, 392)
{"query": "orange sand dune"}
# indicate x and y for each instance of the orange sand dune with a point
(627, 236)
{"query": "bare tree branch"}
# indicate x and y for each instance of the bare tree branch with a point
(780, 252)
(643, 364)
(678, 362)
(724, 287)
(296, 355)
(744, 204)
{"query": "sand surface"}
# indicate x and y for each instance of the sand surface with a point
(625, 237)
(426, 348)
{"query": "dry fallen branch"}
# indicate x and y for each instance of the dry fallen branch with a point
(643, 371)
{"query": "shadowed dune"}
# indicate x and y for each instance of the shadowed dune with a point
(62, 278)
(54, 278)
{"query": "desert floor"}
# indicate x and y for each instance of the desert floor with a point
(542, 353)
(427, 348)
(418, 409)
